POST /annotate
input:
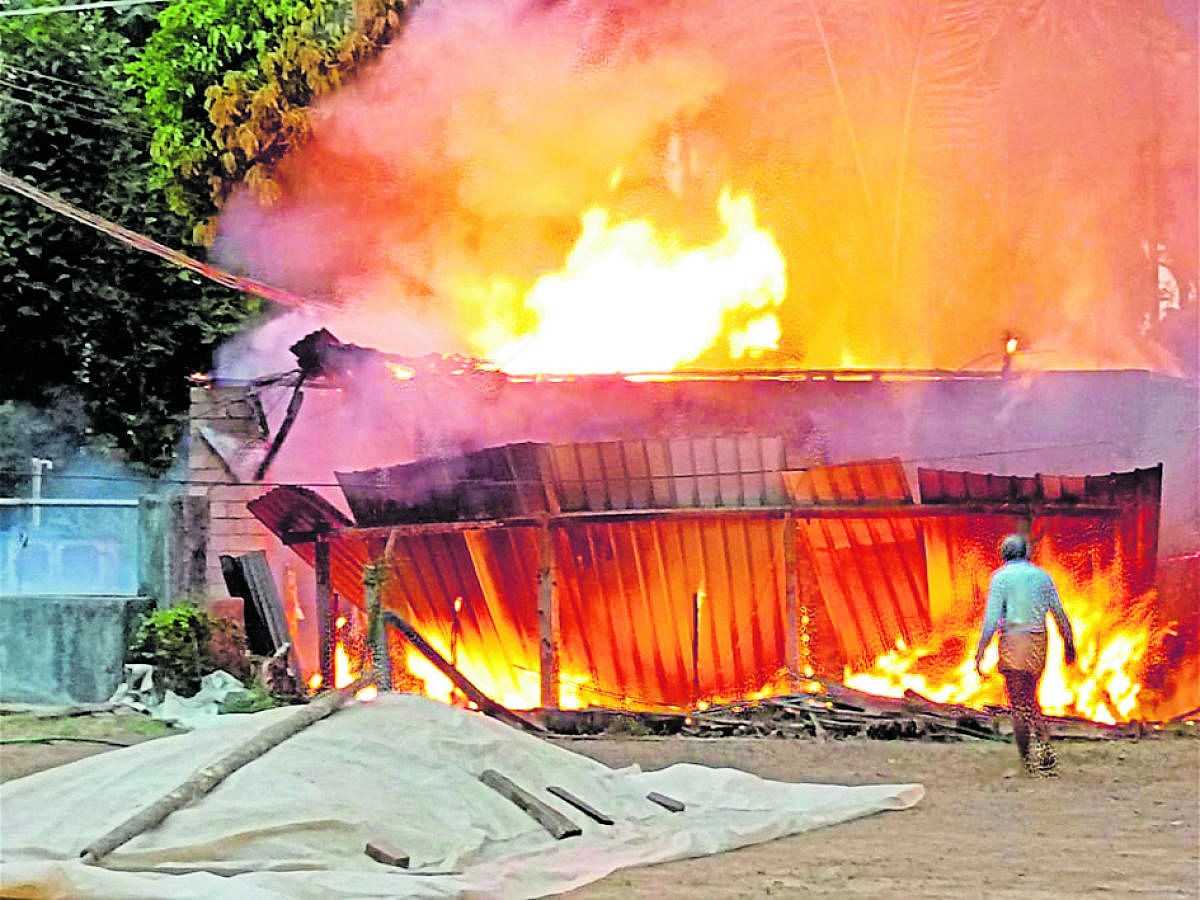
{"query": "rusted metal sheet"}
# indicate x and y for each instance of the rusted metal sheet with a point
(858, 483)
(291, 510)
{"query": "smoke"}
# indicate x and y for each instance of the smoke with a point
(936, 174)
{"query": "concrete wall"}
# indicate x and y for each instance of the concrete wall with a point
(56, 649)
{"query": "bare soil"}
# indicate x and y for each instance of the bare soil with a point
(1123, 820)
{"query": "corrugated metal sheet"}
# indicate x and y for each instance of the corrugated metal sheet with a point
(523, 480)
(857, 483)
(672, 611)
(690, 605)
(291, 510)
(872, 577)
(684, 473)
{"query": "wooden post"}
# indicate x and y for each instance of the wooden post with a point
(377, 635)
(791, 601)
(325, 632)
(548, 618)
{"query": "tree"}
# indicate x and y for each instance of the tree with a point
(228, 85)
(83, 315)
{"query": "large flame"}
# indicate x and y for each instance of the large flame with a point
(1112, 637)
(633, 298)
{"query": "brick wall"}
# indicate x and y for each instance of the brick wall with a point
(226, 437)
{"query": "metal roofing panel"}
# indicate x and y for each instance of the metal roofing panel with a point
(293, 510)
(848, 484)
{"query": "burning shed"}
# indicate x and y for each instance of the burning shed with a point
(673, 574)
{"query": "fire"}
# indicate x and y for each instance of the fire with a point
(1112, 638)
(632, 298)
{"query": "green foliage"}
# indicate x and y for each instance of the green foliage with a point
(83, 315)
(250, 69)
(254, 700)
(176, 642)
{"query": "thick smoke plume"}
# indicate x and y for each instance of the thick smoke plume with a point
(937, 174)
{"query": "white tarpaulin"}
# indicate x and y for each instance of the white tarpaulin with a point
(401, 770)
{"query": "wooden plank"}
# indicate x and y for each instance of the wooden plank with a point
(666, 802)
(549, 818)
(388, 854)
(582, 805)
(548, 619)
(486, 704)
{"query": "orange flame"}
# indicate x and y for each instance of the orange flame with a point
(1112, 637)
(632, 298)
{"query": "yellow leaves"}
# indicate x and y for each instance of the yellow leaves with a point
(247, 140)
(264, 187)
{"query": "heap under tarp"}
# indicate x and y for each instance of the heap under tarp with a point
(401, 771)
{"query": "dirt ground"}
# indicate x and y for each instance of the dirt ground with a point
(1122, 821)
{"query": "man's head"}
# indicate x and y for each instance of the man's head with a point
(1014, 547)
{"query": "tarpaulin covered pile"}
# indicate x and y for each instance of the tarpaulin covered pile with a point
(402, 770)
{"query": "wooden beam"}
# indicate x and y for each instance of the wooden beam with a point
(549, 618)
(582, 805)
(666, 802)
(388, 854)
(486, 704)
(549, 818)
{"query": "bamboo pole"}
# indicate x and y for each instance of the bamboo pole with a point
(208, 777)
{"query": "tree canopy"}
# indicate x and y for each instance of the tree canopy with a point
(228, 84)
(85, 317)
(151, 123)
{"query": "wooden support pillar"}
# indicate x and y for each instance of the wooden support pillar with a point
(325, 611)
(791, 600)
(548, 618)
(377, 636)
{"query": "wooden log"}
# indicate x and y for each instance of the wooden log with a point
(582, 805)
(666, 802)
(549, 818)
(208, 777)
(388, 854)
(486, 704)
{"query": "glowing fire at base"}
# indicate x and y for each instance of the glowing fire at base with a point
(633, 299)
(1112, 637)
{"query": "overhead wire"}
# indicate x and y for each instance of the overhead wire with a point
(77, 7)
(65, 106)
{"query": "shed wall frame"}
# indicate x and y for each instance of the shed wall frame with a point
(672, 609)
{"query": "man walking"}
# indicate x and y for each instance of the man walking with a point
(1020, 596)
